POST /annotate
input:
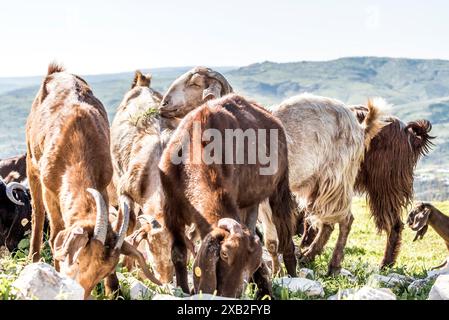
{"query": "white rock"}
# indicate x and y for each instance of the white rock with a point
(342, 294)
(137, 290)
(441, 271)
(390, 281)
(41, 281)
(309, 287)
(200, 296)
(206, 296)
(440, 289)
(348, 274)
(165, 297)
(369, 293)
(306, 273)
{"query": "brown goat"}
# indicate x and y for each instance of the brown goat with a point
(425, 214)
(386, 175)
(222, 200)
(136, 150)
(69, 167)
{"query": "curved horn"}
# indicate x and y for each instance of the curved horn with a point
(423, 141)
(101, 223)
(226, 87)
(10, 187)
(230, 225)
(124, 206)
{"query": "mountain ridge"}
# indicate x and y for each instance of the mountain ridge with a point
(417, 88)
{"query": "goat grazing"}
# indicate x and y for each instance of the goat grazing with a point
(325, 151)
(221, 197)
(136, 150)
(425, 214)
(69, 167)
(190, 91)
(387, 173)
(15, 213)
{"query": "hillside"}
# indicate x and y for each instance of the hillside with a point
(417, 88)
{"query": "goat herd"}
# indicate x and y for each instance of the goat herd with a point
(162, 185)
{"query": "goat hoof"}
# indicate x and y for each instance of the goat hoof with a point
(333, 271)
(385, 265)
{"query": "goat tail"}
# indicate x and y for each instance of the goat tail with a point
(283, 206)
(373, 122)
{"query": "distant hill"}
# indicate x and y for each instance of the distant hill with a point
(417, 88)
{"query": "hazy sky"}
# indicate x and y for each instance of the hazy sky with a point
(112, 36)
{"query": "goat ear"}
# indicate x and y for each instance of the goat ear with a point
(69, 243)
(213, 91)
(205, 265)
(420, 219)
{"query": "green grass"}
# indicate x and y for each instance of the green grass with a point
(363, 254)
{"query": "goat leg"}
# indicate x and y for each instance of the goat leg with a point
(262, 279)
(271, 240)
(310, 233)
(338, 254)
(317, 245)
(179, 258)
(393, 245)
(37, 215)
(111, 286)
(290, 259)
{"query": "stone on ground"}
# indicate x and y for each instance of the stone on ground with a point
(418, 285)
(440, 289)
(137, 289)
(200, 296)
(41, 281)
(206, 296)
(369, 293)
(440, 271)
(309, 287)
(364, 293)
(306, 273)
(165, 297)
(389, 281)
(342, 294)
(348, 274)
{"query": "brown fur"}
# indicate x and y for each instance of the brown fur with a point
(386, 174)
(141, 80)
(371, 123)
(67, 137)
(203, 194)
(15, 164)
(136, 150)
(424, 215)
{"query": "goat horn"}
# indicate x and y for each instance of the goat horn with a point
(230, 225)
(10, 187)
(226, 87)
(101, 223)
(124, 204)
